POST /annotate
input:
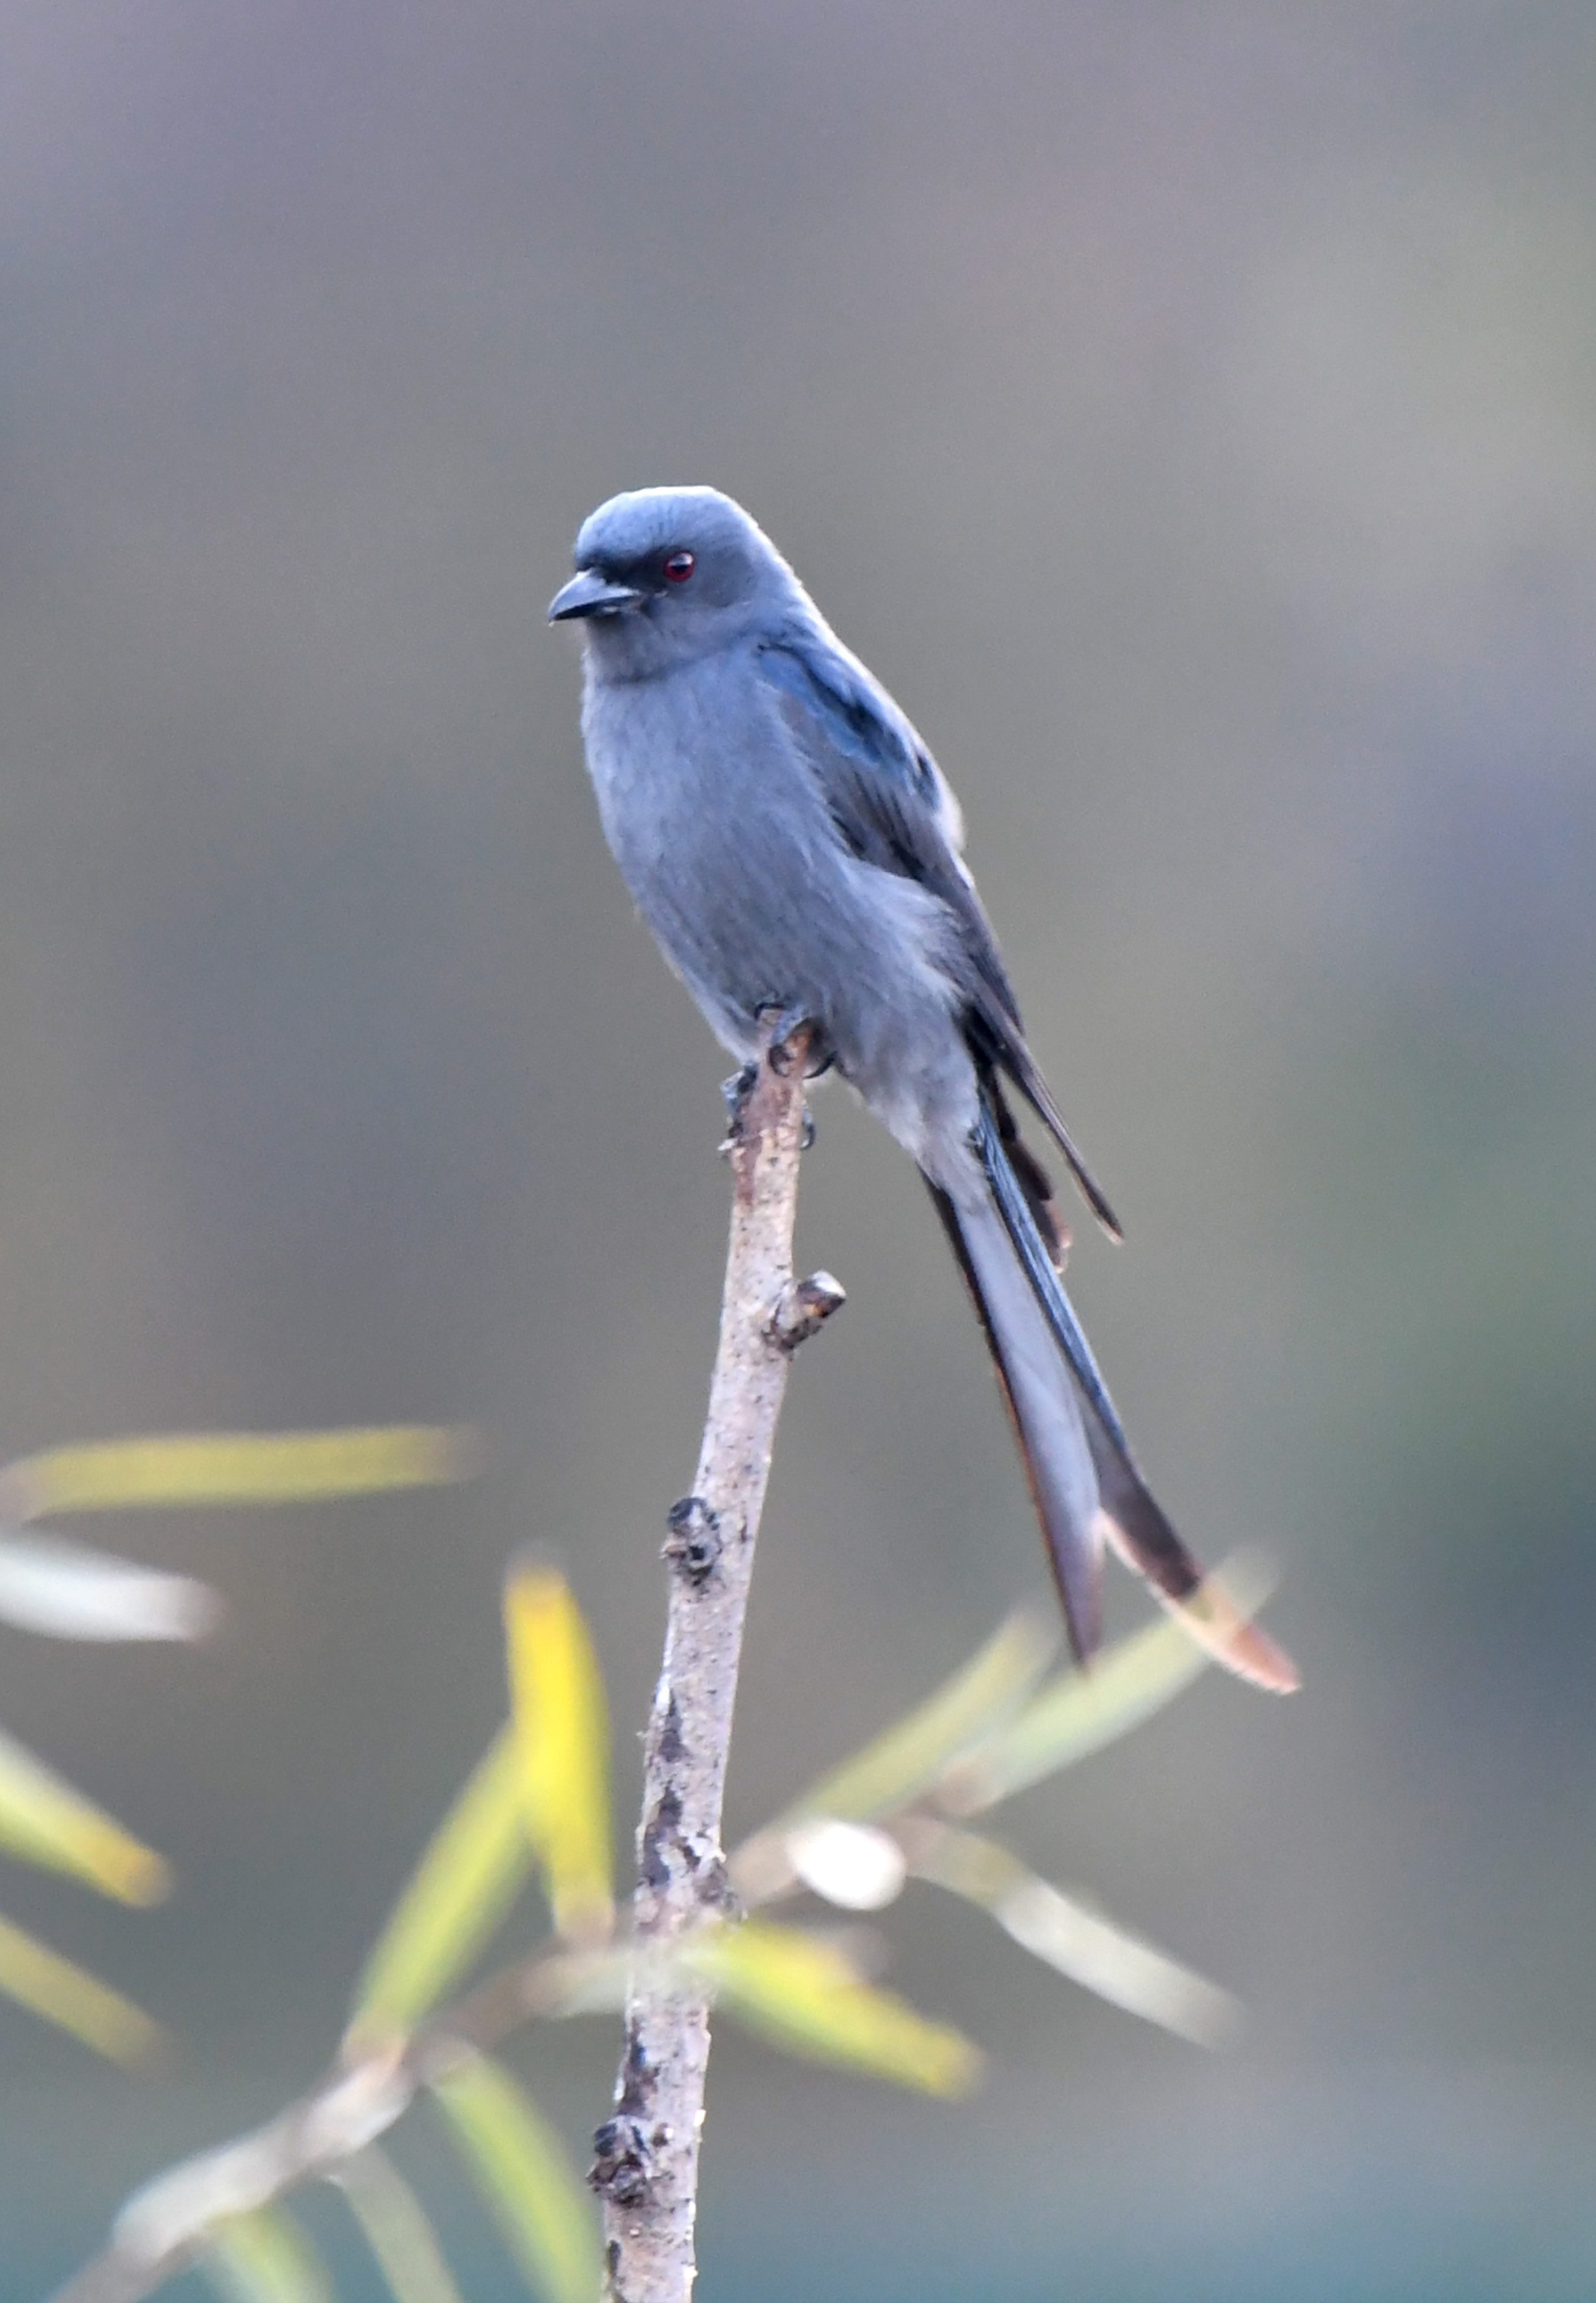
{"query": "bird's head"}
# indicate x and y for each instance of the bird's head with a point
(666, 574)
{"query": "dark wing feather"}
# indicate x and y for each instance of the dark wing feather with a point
(892, 805)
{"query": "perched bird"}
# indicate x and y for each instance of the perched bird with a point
(794, 846)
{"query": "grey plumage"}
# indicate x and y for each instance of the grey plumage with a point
(793, 844)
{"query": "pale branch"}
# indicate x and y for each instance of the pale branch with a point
(646, 2170)
(649, 2181)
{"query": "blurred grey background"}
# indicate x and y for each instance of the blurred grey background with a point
(1188, 412)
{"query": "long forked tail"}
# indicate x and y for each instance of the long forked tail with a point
(1083, 1478)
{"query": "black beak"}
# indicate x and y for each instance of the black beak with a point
(589, 593)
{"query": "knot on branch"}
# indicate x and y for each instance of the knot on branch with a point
(671, 1859)
(802, 1309)
(627, 2146)
(694, 1547)
(624, 2161)
(716, 1893)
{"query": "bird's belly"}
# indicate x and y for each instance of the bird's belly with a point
(735, 864)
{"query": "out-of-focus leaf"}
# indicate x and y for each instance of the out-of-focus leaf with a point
(802, 1993)
(593, 1982)
(472, 1869)
(852, 1864)
(980, 1699)
(73, 2000)
(395, 2228)
(233, 1467)
(69, 1592)
(1068, 1935)
(902, 1763)
(562, 1733)
(523, 2172)
(1076, 1713)
(1079, 1711)
(264, 2257)
(44, 1821)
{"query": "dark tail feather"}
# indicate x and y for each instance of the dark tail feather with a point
(1129, 1517)
(1054, 1444)
(1133, 1524)
(1018, 1062)
(1032, 1177)
(1010, 1201)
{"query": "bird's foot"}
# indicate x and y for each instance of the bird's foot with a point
(735, 1092)
(792, 1035)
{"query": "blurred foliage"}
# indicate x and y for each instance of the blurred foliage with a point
(65, 1994)
(45, 1821)
(395, 2228)
(1081, 1943)
(805, 1994)
(1076, 1713)
(562, 1737)
(537, 2200)
(233, 1467)
(538, 1800)
(975, 1703)
(473, 1870)
(69, 1592)
(264, 2257)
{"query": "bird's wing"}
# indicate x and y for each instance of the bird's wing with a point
(894, 809)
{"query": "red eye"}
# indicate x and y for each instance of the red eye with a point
(680, 567)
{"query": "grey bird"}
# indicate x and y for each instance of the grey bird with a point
(794, 847)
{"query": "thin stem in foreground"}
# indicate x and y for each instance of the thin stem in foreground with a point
(647, 2166)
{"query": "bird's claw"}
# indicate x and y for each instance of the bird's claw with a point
(783, 1027)
(735, 1092)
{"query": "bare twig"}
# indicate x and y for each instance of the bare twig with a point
(648, 2160)
(646, 2170)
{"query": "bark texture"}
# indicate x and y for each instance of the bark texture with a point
(646, 2169)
